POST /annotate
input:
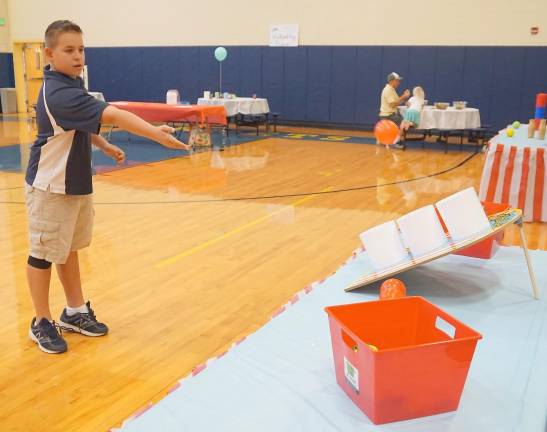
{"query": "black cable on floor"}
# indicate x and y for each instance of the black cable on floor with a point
(302, 194)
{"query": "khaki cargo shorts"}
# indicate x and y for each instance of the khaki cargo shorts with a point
(58, 224)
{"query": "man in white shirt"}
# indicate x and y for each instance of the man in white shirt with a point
(390, 100)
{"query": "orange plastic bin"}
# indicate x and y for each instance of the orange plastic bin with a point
(400, 359)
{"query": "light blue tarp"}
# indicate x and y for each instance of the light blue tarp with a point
(281, 378)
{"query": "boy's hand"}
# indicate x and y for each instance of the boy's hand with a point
(168, 140)
(115, 153)
(134, 124)
(406, 93)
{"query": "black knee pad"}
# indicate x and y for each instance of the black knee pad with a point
(38, 263)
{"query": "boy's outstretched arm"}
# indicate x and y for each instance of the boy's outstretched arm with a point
(134, 124)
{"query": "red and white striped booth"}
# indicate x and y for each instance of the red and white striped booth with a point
(514, 173)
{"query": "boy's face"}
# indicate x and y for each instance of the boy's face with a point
(67, 56)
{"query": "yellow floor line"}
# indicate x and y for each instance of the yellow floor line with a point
(237, 230)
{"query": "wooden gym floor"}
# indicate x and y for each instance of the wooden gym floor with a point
(180, 269)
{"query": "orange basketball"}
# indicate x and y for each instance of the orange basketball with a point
(386, 131)
(392, 289)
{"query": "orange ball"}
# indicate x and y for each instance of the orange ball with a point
(386, 131)
(392, 289)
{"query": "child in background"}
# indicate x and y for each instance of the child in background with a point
(412, 114)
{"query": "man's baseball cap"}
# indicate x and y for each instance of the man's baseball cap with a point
(394, 76)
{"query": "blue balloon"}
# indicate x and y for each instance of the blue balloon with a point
(221, 54)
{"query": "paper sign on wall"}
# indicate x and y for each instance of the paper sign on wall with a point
(284, 35)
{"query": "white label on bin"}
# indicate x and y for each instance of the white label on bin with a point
(352, 375)
(445, 327)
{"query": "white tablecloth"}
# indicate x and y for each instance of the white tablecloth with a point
(240, 105)
(450, 118)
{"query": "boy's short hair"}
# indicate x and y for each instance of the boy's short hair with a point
(57, 27)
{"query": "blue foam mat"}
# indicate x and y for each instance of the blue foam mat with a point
(281, 378)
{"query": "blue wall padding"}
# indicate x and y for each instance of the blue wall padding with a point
(326, 84)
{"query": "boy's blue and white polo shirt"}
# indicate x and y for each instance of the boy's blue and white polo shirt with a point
(60, 158)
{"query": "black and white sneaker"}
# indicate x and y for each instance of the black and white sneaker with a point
(84, 323)
(48, 336)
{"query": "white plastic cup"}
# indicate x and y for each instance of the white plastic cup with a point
(172, 97)
(206, 95)
(463, 215)
(422, 231)
(384, 246)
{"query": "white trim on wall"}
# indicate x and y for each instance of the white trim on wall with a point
(110, 23)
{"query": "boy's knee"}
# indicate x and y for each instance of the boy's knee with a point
(41, 264)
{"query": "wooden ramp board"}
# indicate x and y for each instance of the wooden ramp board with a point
(498, 222)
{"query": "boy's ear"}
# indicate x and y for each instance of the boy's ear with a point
(48, 52)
